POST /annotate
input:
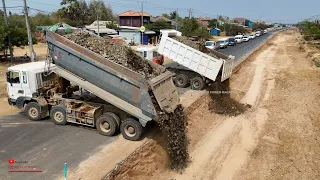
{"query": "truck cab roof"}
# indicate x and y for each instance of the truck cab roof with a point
(33, 66)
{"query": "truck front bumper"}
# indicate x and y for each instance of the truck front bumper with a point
(11, 102)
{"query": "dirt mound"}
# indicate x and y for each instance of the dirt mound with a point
(174, 130)
(117, 53)
(141, 164)
(222, 103)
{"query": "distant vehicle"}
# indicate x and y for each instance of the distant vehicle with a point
(258, 33)
(265, 31)
(246, 38)
(232, 42)
(239, 38)
(223, 43)
(211, 45)
(252, 36)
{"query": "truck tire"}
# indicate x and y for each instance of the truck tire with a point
(131, 129)
(32, 111)
(106, 125)
(197, 83)
(116, 118)
(181, 80)
(58, 115)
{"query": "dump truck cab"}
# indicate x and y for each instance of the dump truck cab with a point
(24, 82)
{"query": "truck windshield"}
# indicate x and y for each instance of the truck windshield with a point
(13, 77)
(209, 44)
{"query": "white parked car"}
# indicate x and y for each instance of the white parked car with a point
(211, 45)
(223, 43)
(258, 33)
(239, 39)
(265, 31)
(252, 36)
(246, 38)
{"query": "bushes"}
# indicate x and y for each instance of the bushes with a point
(310, 30)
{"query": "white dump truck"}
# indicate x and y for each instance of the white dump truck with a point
(115, 98)
(191, 66)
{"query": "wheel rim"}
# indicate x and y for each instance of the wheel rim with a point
(33, 112)
(58, 116)
(196, 84)
(130, 131)
(105, 126)
(180, 81)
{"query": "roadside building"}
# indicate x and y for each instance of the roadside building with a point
(133, 19)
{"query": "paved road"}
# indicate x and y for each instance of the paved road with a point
(46, 146)
(241, 49)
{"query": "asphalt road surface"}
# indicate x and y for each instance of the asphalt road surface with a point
(44, 146)
(241, 49)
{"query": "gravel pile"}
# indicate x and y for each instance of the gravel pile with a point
(117, 53)
(221, 101)
(174, 130)
(199, 45)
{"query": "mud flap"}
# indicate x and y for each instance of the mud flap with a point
(165, 91)
(44, 108)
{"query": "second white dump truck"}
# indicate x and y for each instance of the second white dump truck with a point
(191, 66)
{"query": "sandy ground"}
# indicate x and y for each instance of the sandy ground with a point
(278, 138)
(40, 49)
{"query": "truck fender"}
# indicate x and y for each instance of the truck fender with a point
(21, 101)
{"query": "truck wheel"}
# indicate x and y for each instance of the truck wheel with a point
(106, 125)
(181, 80)
(197, 83)
(32, 110)
(116, 118)
(131, 129)
(58, 115)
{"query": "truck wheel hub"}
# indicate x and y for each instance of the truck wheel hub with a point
(58, 116)
(130, 131)
(196, 83)
(106, 126)
(33, 112)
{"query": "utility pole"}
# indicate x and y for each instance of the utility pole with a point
(9, 36)
(142, 2)
(98, 21)
(190, 11)
(29, 31)
(177, 19)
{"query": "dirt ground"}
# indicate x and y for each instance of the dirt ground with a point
(278, 138)
(40, 49)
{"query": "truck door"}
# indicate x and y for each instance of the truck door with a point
(25, 84)
(14, 84)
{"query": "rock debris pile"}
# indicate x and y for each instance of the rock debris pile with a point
(172, 125)
(174, 129)
(221, 101)
(117, 53)
(199, 45)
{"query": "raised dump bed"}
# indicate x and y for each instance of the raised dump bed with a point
(190, 59)
(112, 82)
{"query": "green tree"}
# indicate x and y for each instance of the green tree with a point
(75, 12)
(213, 23)
(3, 33)
(191, 27)
(98, 7)
(233, 29)
(156, 26)
(165, 15)
(173, 15)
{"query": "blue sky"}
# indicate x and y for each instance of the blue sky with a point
(283, 11)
